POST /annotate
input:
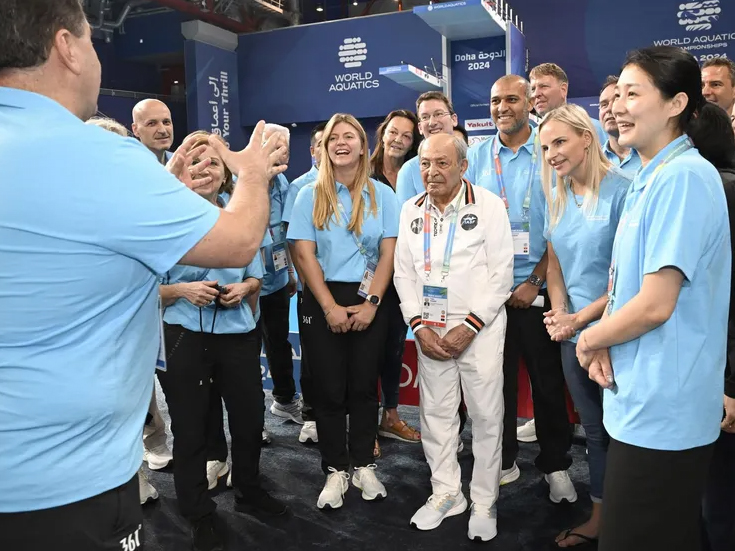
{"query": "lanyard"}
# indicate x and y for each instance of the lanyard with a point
(450, 236)
(360, 247)
(501, 182)
(613, 277)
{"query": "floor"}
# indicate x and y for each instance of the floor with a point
(527, 520)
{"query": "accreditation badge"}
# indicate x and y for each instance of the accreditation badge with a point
(435, 306)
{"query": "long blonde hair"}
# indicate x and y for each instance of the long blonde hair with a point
(596, 164)
(325, 200)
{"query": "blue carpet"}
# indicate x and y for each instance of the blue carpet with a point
(527, 520)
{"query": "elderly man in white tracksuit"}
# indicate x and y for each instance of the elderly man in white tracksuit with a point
(454, 273)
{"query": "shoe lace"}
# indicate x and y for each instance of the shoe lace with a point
(482, 510)
(161, 449)
(336, 477)
(212, 466)
(438, 501)
(559, 477)
(143, 476)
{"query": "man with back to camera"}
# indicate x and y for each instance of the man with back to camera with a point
(308, 434)
(153, 126)
(76, 367)
(549, 88)
(518, 183)
(436, 116)
(627, 159)
(718, 82)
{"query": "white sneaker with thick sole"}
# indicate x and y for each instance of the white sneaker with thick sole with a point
(147, 491)
(483, 523)
(215, 471)
(334, 490)
(527, 432)
(308, 434)
(436, 509)
(364, 478)
(561, 487)
(158, 457)
(510, 475)
(290, 411)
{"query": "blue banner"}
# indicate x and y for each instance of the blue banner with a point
(516, 53)
(308, 73)
(476, 65)
(590, 104)
(212, 95)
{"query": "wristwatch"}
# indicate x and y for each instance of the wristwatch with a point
(373, 299)
(535, 280)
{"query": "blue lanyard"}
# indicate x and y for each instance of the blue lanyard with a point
(450, 237)
(360, 247)
(613, 277)
(501, 182)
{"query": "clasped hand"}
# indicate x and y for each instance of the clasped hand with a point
(560, 325)
(596, 362)
(450, 346)
(341, 319)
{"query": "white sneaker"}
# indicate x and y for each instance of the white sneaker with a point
(215, 471)
(364, 478)
(334, 490)
(158, 457)
(483, 523)
(561, 487)
(437, 508)
(229, 480)
(265, 438)
(527, 432)
(510, 475)
(308, 434)
(460, 445)
(290, 411)
(147, 491)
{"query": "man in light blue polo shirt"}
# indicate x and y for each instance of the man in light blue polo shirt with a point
(308, 434)
(624, 157)
(509, 165)
(153, 126)
(436, 116)
(76, 365)
(549, 88)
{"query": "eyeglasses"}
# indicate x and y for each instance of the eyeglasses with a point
(436, 115)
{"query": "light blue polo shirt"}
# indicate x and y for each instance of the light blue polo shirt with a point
(583, 240)
(516, 175)
(670, 381)
(336, 250)
(601, 134)
(213, 319)
(79, 299)
(293, 191)
(409, 182)
(275, 280)
(630, 164)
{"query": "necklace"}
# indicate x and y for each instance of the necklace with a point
(574, 195)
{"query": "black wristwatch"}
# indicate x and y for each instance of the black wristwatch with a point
(535, 280)
(373, 299)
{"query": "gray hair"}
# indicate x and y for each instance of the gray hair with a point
(271, 127)
(109, 124)
(460, 146)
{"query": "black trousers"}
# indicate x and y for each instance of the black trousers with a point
(526, 337)
(653, 498)
(231, 363)
(392, 364)
(274, 330)
(718, 506)
(112, 521)
(344, 369)
(307, 413)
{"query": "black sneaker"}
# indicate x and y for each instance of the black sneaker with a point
(204, 536)
(258, 501)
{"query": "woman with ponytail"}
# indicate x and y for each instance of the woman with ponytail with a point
(584, 210)
(659, 350)
(343, 229)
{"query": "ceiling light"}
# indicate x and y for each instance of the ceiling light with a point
(319, 8)
(176, 81)
(354, 3)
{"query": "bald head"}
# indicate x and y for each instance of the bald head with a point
(510, 104)
(153, 127)
(443, 162)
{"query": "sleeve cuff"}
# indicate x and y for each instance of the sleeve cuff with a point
(730, 389)
(415, 323)
(474, 322)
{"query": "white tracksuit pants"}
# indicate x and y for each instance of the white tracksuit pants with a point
(479, 370)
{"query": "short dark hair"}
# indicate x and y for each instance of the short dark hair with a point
(722, 62)
(674, 70)
(434, 94)
(611, 80)
(459, 128)
(314, 131)
(714, 137)
(28, 28)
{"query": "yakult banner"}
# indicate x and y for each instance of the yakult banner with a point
(212, 98)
